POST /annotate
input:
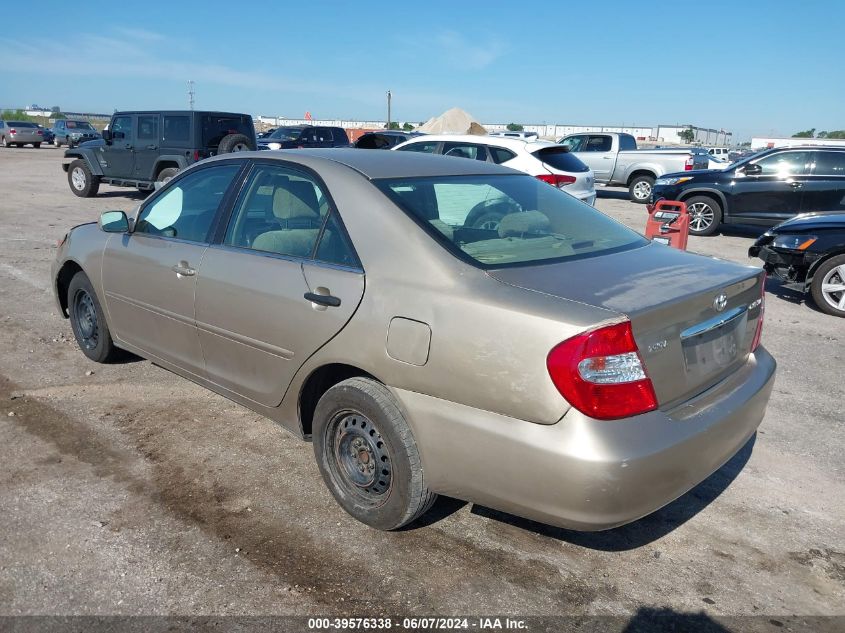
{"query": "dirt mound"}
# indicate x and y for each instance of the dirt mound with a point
(454, 121)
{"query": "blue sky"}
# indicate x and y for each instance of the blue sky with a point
(752, 67)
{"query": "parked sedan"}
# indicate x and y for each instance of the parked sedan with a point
(20, 133)
(549, 162)
(808, 253)
(558, 366)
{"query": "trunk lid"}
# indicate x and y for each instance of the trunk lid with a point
(693, 317)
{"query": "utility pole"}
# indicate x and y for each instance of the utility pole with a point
(191, 93)
(388, 109)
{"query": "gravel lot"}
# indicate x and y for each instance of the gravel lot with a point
(127, 490)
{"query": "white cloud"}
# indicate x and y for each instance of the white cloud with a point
(471, 55)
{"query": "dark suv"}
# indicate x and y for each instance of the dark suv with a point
(763, 189)
(299, 136)
(139, 149)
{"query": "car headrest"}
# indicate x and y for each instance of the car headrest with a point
(517, 224)
(297, 199)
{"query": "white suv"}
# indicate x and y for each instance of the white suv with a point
(550, 162)
(719, 152)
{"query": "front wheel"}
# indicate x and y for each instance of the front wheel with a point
(367, 455)
(57, 142)
(88, 321)
(828, 286)
(639, 190)
(82, 182)
(705, 215)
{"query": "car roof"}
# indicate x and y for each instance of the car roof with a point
(507, 142)
(212, 112)
(377, 163)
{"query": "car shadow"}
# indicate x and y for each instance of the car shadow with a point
(742, 230)
(621, 194)
(666, 620)
(132, 194)
(648, 529)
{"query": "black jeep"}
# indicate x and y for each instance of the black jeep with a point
(139, 149)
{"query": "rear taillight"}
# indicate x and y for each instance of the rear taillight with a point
(601, 374)
(13, 131)
(40, 133)
(556, 180)
(759, 331)
(196, 155)
(689, 163)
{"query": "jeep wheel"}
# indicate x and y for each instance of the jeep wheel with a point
(82, 182)
(57, 142)
(166, 175)
(235, 143)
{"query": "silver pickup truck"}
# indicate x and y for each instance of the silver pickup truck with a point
(615, 160)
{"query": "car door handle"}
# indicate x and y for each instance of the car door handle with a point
(127, 146)
(323, 300)
(183, 269)
(796, 185)
(152, 147)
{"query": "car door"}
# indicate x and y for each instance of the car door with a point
(119, 152)
(60, 131)
(773, 194)
(149, 275)
(308, 138)
(824, 189)
(283, 280)
(146, 148)
(599, 156)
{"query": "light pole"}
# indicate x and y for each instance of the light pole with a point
(191, 94)
(388, 108)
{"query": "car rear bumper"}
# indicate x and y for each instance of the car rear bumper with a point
(582, 473)
(588, 196)
(25, 138)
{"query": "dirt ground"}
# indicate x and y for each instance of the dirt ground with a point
(127, 490)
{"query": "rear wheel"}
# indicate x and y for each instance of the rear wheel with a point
(235, 143)
(166, 175)
(36, 145)
(640, 189)
(367, 455)
(57, 142)
(705, 215)
(88, 321)
(5, 142)
(82, 182)
(828, 286)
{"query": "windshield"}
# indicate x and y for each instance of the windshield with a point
(499, 221)
(286, 133)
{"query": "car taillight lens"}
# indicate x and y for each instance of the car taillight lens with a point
(13, 131)
(689, 163)
(556, 180)
(40, 133)
(759, 331)
(601, 374)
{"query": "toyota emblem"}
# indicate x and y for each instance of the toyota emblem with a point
(720, 302)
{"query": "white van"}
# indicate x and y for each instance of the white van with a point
(719, 152)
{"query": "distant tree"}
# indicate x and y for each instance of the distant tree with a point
(55, 109)
(16, 115)
(407, 126)
(745, 144)
(687, 135)
(58, 115)
(805, 134)
(393, 126)
(836, 134)
(821, 135)
(515, 127)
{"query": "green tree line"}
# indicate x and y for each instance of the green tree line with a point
(811, 133)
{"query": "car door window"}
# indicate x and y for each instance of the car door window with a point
(176, 129)
(308, 136)
(575, 143)
(147, 127)
(829, 163)
(280, 211)
(501, 155)
(335, 246)
(427, 147)
(122, 127)
(324, 135)
(601, 143)
(465, 150)
(187, 208)
(785, 164)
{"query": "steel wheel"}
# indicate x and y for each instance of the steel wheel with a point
(642, 190)
(833, 287)
(240, 147)
(77, 177)
(361, 462)
(86, 318)
(701, 216)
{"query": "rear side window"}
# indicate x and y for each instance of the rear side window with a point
(427, 147)
(148, 127)
(561, 159)
(176, 129)
(340, 135)
(599, 144)
(499, 221)
(500, 154)
(626, 143)
(465, 150)
(830, 164)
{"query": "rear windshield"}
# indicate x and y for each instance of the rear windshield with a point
(20, 124)
(79, 125)
(214, 128)
(561, 159)
(500, 221)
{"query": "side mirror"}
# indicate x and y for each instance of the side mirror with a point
(107, 135)
(753, 170)
(114, 222)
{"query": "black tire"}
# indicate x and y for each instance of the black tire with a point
(167, 174)
(5, 142)
(88, 321)
(639, 190)
(827, 275)
(82, 182)
(361, 416)
(57, 142)
(235, 143)
(705, 215)
(37, 145)
(489, 221)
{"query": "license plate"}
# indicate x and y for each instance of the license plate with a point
(661, 240)
(716, 349)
